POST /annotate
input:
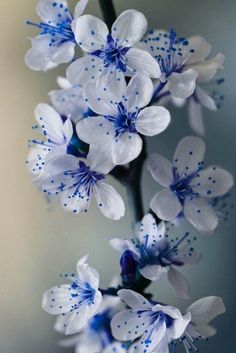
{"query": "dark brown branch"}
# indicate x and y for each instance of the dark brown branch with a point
(108, 12)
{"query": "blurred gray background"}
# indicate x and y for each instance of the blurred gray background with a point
(37, 244)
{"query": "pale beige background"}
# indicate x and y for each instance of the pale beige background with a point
(37, 244)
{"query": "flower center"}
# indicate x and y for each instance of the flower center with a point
(84, 180)
(84, 292)
(123, 121)
(112, 54)
(160, 317)
(181, 186)
(174, 53)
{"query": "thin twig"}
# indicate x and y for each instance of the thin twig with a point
(108, 11)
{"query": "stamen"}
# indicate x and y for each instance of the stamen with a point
(59, 33)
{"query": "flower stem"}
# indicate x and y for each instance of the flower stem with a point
(108, 12)
(134, 189)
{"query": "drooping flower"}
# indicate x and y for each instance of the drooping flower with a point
(150, 326)
(155, 255)
(122, 116)
(182, 61)
(111, 54)
(202, 98)
(69, 101)
(57, 136)
(56, 42)
(76, 303)
(97, 336)
(188, 187)
(78, 179)
(203, 311)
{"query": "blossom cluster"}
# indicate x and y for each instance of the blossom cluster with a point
(95, 126)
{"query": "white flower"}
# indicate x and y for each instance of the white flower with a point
(56, 42)
(182, 61)
(200, 99)
(111, 54)
(151, 326)
(97, 336)
(156, 255)
(76, 302)
(122, 116)
(77, 180)
(57, 134)
(203, 311)
(69, 101)
(188, 187)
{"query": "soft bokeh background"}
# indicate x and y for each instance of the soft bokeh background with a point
(37, 244)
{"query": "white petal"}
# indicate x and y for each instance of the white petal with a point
(95, 130)
(90, 33)
(110, 86)
(77, 320)
(75, 203)
(200, 214)
(160, 169)
(80, 7)
(62, 163)
(100, 159)
(48, 10)
(68, 129)
(58, 300)
(207, 70)
(189, 155)
(206, 309)
(128, 324)
(196, 117)
(182, 85)
(101, 106)
(69, 102)
(153, 272)
(139, 93)
(173, 312)
(163, 346)
(109, 201)
(87, 274)
(64, 53)
(204, 99)
(50, 122)
(63, 83)
(212, 182)
(126, 148)
(179, 283)
(84, 70)
(134, 300)
(37, 58)
(123, 245)
(178, 102)
(152, 120)
(60, 323)
(129, 28)
(179, 326)
(148, 229)
(201, 49)
(155, 336)
(187, 255)
(166, 205)
(36, 161)
(141, 62)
